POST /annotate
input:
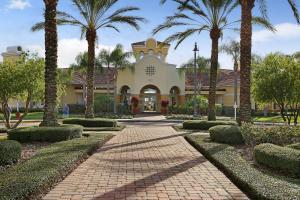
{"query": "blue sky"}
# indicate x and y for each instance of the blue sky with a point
(17, 16)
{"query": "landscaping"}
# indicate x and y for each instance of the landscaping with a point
(92, 123)
(36, 176)
(227, 134)
(45, 134)
(258, 184)
(203, 124)
(10, 152)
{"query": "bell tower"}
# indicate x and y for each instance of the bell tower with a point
(150, 47)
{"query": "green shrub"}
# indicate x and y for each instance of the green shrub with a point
(294, 146)
(226, 134)
(182, 117)
(255, 183)
(50, 165)
(280, 135)
(92, 122)
(3, 130)
(204, 125)
(10, 152)
(45, 134)
(277, 157)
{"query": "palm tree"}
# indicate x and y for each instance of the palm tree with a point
(246, 47)
(233, 49)
(114, 61)
(214, 19)
(49, 117)
(95, 15)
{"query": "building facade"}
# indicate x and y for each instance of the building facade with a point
(152, 81)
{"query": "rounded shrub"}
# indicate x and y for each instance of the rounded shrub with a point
(92, 122)
(10, 152)
(204, 125)
(45, 134)
(227, 134)
(277, 157)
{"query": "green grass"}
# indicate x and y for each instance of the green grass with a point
(49, 166)
(3, 137)
(255, 183)
(274, 119)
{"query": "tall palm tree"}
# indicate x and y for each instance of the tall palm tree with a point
(233, 50)
(246, 47)
(198, 16)
(49, 117)
(95, 15)
(114, 61)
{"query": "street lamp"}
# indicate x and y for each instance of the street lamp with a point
(195, 78)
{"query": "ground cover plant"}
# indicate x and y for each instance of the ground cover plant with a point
(92, 123)
(204, 125)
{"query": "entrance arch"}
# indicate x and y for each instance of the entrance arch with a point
(150, 98)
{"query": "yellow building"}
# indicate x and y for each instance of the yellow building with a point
(153, 80)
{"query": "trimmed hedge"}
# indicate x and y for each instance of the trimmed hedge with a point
(100, 129)
(277, 157)
(92, 122)
(204, 125)
(10, 152)
(3, 130)
(253, 182)
(294, 146)
(280, 135)
(49, 166)
(226, 134)
(45, 134)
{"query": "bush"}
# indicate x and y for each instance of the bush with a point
(253, 182)
(45, 134)
(277, 157)
(294, 146)
(226, 134)
(280, 135)
(204, 125)
(3, 130)
(76, 108)
(92, 122)
(10, 152)
(50, 165)
(182, 117)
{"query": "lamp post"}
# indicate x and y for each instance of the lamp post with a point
(195, 78)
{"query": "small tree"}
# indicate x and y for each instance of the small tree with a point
(276, 80)
(20, 79)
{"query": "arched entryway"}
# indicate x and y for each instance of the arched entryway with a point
(150, 98)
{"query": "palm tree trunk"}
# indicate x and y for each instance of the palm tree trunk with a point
(115, 91)
(246, 46)
(91, 39)
(214, 35)
(235, 81)
(50, 110)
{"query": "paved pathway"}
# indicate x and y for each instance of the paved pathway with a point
(146, 162)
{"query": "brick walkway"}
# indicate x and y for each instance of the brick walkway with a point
(146, 163)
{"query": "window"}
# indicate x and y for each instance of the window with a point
(150, 70)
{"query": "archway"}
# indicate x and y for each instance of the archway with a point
(150, 98)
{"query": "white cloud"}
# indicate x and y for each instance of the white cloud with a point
(68, 49)
(18, 4)
(285, 31)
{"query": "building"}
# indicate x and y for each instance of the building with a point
(152, 80)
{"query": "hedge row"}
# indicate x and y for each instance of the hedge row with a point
(294, 146)
(252, 181)
(92, 122)
(280, 135)
(226, 134)
(100, 129)
(10, 152)
(49, 134)
(49, 166)
(204, 125)
(277, 157)
(3, 130)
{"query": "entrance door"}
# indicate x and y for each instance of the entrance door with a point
(150, 103)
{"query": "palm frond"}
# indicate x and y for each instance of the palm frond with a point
(295, 10)
(264, 23)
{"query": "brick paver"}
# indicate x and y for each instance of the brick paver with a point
(152, 162)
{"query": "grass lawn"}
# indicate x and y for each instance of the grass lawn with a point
(274, 119)
(39, 116)
(3, 137)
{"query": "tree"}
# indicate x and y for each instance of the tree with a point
(276, 80)
(233, 49)
(50, 111)
(115, 61)
(246, 47)
(21, 79)
(95, 15)
(214, 19)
